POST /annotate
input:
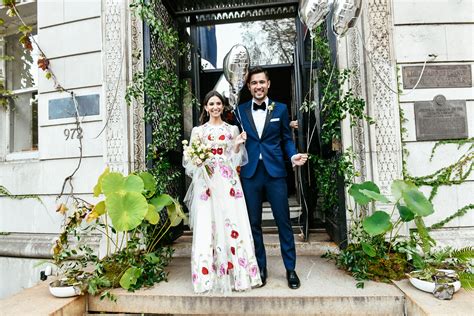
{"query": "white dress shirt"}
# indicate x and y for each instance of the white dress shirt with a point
(259, 117)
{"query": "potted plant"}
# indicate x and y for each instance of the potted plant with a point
(372, 253)
(133, 218)
(443, 272)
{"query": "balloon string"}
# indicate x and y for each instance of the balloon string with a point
(239, 118)
(431, 57)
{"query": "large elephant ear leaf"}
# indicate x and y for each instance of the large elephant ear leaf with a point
(130, 277)
(377, 223)
(98, 187)
(133, 183)
(175, 213)
(161, 201)
(417, 202)
(127, 210)
(375, 196)
(406, 214)
(112, 183)
(149, 182)
(359, 197)
(399, 186)
(152, 215)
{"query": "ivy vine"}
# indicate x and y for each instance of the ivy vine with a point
(336, 105)
(159, 89)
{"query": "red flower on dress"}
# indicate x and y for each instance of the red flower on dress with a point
(229, 265)
(222, 137)
(204, 271)
(208, 192)
(209, 137)
(234, 234)
(213, 151)
(232, 192)
(219, 151)
(232, 249)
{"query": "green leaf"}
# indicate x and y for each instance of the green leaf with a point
(2, 21)
(98, 186)
(115, 182)
(376, 224)
(406, 214)
(127, 210)
(149, 182)
(368, 249)
(152, 258)
(152, 215)
(399, 186)
(467, 280)
(130, 277)
(161, 201)
(358, 196)
(417, 202)
(175, 213)
(25, 29)
(99, 208)
(418, 261)
(375, 196)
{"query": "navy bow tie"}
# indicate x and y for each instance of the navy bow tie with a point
(262, 106)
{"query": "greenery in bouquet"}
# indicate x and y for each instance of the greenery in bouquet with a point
(197, 153)
(133, 219)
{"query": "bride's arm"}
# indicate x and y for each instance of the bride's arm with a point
(238, 152)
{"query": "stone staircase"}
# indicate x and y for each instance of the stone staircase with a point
(325, 290)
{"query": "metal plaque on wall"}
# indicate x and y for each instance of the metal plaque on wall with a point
(437, 76)
(441, 119)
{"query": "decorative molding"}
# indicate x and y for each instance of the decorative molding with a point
(114, 61)
(383, 103)
(137, 109)
(37, 245)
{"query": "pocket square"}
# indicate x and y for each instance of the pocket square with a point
(276, 119)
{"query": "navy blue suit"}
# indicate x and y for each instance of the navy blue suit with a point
(267, 176)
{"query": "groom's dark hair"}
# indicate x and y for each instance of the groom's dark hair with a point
(257, 70)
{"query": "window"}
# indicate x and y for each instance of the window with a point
(19, 114)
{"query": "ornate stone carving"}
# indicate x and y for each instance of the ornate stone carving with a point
(115, 85)
(138, 126)
(383, 102)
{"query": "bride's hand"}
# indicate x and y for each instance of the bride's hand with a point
(241, 138)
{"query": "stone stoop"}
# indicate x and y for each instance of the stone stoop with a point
(318, 243)
(325, 290)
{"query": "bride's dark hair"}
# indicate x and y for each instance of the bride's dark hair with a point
(204, 117)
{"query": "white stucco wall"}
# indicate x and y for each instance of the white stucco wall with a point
(444, 28)
(70, 33)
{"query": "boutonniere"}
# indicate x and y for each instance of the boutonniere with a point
(271, 106)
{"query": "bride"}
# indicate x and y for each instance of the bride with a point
(223, 256)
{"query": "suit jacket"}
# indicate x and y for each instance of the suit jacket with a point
(275, 136)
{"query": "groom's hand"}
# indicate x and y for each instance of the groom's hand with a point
(299, 159)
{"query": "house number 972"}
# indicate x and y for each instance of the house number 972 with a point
(71, 133)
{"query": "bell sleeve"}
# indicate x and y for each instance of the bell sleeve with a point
(239, 158)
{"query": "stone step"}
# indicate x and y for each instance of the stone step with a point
(318, 243)
(324, 290)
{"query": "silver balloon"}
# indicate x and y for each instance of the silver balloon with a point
(236, 70)
(313, 12)
(345, 15)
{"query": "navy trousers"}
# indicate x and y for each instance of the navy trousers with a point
(277, 194)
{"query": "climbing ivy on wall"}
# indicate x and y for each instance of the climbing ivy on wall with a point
(159, 89)
(454, 174)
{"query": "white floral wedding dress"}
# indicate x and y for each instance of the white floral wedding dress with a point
(223, 255)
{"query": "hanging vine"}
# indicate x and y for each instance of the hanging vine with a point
(159, 89)
(336, 105)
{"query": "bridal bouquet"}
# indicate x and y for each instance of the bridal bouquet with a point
(196, 152)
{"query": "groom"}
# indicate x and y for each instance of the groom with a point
(267, 125)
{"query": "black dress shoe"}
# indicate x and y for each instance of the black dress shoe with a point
(293, 280)
(263, 276)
